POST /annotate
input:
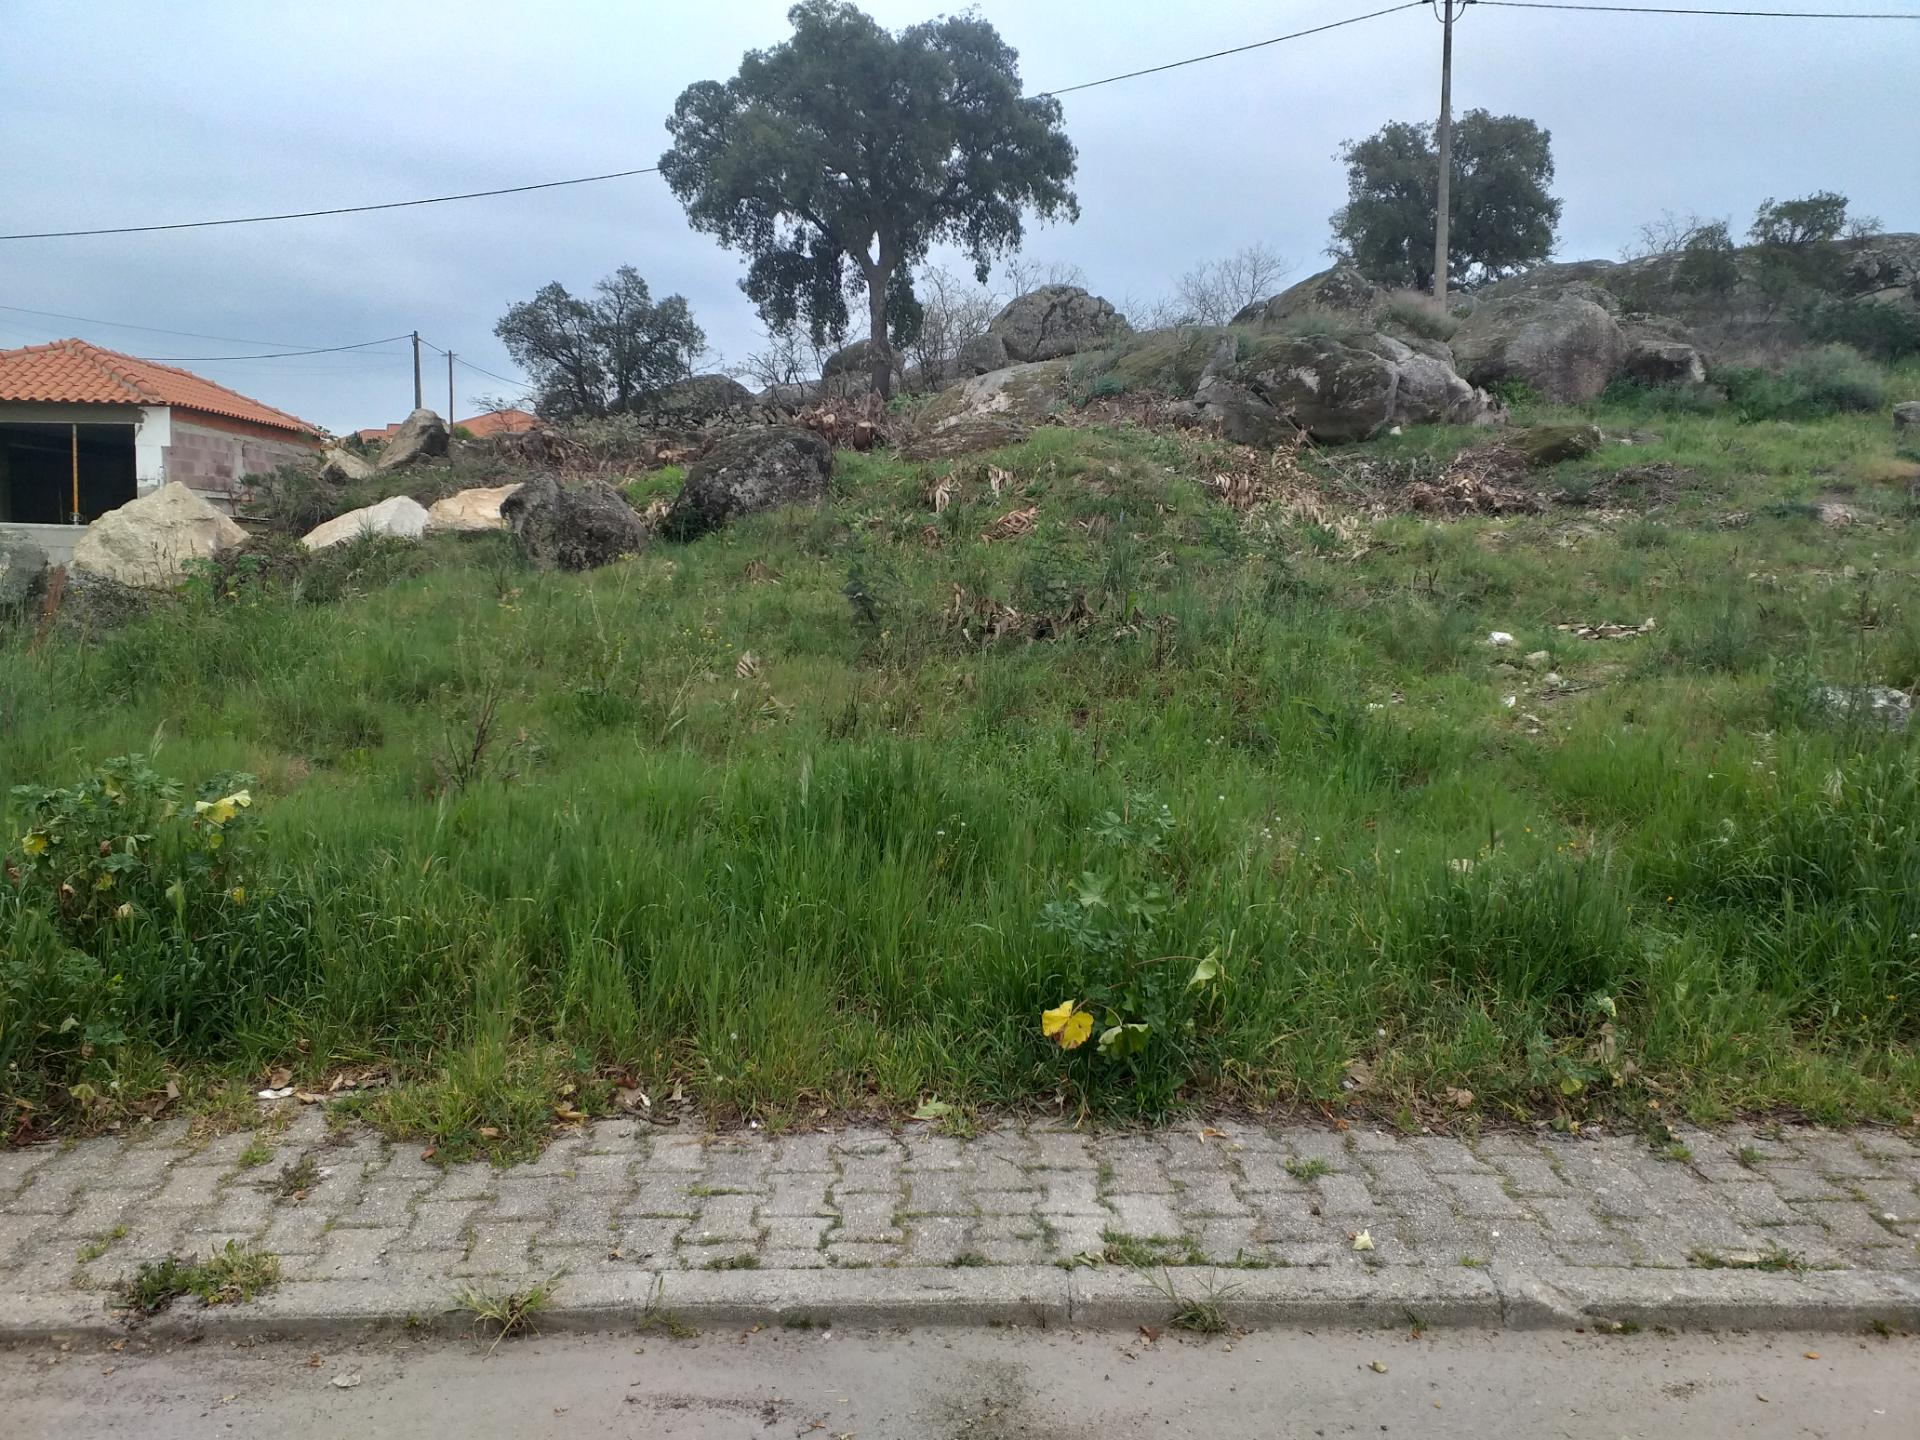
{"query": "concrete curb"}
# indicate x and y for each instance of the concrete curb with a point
(1045, 1296)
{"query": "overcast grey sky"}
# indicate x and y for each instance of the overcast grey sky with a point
(123, 113)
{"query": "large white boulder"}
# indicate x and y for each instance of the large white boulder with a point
(148, 543)
(400, 516)
(469, 511)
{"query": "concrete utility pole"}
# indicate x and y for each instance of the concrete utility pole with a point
(1444, 143)
(416, 370)
(449, 389)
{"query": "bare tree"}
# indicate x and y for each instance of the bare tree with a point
(1024, 276)
(787, 357)
(952, 311)
(1213, 292)
(1667, 235)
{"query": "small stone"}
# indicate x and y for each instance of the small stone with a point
(1538, 658)
(1499, 639)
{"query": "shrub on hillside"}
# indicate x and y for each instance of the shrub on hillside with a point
(1882, 331)
(1413, 314)
(1827, 380)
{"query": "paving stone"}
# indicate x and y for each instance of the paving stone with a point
(437, 1224)
(1849, 1223)
(526, 1199)
(934, 1152)
(862, 1255)
(1320, 1145)
(1481, 1195)
(866, 1143)
(1837, 1155)
(1143, 1216)
(992, 1172)
(581, 1220)
(1343, 1195)
(793, 1259)
(722, 1218)
(644, 1241)
(1226, 1240)
(1795, 1183)
(797, 1232)
(1444, 1156)
(1071, 1235)
(677, 1154)
(1893, 1200)
(605, 1174)
(17, 1165)
(190, 1186)
(505, 1248)
(867, 1218)
(1008, 1202)
(868, 1174)
(939, 1192)
(351, 1254)
(1055, 1150)
(385, 1203)
(937, 1239)
(660, 1196)
(1757, 1205)
(295, 1230)
(1395, 1172)
(1531, 1174)
(1068, 1192)
(804, 1154)
(467, 1182)
(737, 1168)
(802, 1194)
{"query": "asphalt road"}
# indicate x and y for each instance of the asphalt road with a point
(973, 1385)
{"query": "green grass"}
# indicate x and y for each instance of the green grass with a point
(93, 1249)
(1307, 1171)
(525, 836)
(506, 1312)
(231, 1275)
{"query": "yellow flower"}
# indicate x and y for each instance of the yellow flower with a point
(34, 843)
(219, 812)
(238, 894)
(1067, 1025)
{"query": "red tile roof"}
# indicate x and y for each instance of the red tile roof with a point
(500, 422)
(72, 372)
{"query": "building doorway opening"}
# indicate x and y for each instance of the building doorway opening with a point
(42, 467)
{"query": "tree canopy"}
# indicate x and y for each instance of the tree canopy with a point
(837, 159)
(612, 352)
(1500, 216)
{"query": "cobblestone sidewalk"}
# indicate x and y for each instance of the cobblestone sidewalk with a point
(618, 1205)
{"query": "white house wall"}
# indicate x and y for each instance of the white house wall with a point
(150, 441)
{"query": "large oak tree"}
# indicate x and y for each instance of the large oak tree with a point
(1500, 216)
(836, 159)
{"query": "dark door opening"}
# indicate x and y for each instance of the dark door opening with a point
(37, 471)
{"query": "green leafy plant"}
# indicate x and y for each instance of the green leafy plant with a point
(1145, 1005)
(230, 1275)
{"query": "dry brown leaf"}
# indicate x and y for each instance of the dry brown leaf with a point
(488, 1132)
(1012, 525)
(279, 1077)
(1459, 1099)
(998, 479)
(747, 666)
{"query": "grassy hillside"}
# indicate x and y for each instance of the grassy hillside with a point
(821, 813)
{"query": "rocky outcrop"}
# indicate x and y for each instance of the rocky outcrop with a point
(1333, 389)
(1659, 351)
(981, 355)
(984, 412)
(23, 572)
(1906, 415)
(1545, 445)
(703, 395)
(578, 527)
(421, 436)
(469, 512)
(339, 464)
(750, 471)
(1342, 290)
(148, 543)
(1057, 320)
(1566, 348)
(400, 517)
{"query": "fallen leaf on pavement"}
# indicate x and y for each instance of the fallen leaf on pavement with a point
(1362, 1240)
(1377, 1367)
(1149, 1334)
(346, 1382)
(1813, 1354)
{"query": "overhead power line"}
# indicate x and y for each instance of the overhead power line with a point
(149, 329)
(1683, 10)
(651, 169)
(504, 380)
(1236, 50)
(276, 355)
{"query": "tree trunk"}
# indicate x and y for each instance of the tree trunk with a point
(877, 327)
